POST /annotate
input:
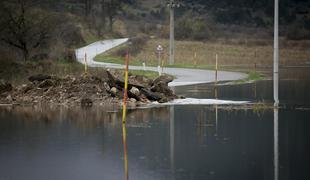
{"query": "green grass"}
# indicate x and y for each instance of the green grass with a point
(117, 60)
(134, 62)
(252, 76)
(191, 66)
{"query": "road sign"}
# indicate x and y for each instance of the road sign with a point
(160, 49)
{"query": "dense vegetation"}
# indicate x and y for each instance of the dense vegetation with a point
(51, 29)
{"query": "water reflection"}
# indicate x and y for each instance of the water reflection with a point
(176, 142)
(276, 143)
(295, 92)
(171, 133)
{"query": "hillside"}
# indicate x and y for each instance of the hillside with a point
(221, 18)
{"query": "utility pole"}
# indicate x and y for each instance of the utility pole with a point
(172, 5)
(276, 54)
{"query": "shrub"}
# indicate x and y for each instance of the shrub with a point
(189, 28)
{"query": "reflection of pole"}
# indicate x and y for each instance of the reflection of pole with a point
(255, 90)
(216, 67)
(276, 54)
(216, 119)
(172, 138)
(124, 118)
(276, 143)
(171, 46)
(216, 71)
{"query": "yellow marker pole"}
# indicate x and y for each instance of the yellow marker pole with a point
(85, 64)
(124, 118)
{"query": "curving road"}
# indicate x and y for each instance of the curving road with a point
(183, 76)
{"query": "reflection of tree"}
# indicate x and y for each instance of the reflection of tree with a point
(206, 120)
(84, 118)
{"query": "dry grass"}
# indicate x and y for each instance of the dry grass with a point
(230, 52)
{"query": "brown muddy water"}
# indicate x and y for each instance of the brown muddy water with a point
(184, 142)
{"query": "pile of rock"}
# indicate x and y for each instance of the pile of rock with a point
(87, 90)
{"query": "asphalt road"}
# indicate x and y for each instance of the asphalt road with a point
(183, 76)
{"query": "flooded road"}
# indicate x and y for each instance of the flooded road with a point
(186, 142)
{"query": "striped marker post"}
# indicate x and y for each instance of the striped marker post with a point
(124, 117)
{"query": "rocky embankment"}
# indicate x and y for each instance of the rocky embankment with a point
(87, 90)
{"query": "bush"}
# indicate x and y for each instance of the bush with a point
(296, 32)
(189, 28)
(137, 44)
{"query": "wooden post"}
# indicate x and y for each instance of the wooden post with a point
(195, 59)
(124, 117)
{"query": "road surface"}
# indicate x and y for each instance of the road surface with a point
(183, 76)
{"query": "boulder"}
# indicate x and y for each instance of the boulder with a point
(132, 95)
(132, 102)
(163, 100)
(39, 77)
(114, 91)
(9, 98)
(135, 91)
(119, 82)
(162, 87)
(5, 86)
(140, 80)
(163, 79)
(150, 95)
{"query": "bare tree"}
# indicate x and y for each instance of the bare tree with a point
(22, 26)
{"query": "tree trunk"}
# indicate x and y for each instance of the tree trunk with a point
(25, 54)
(111, 22)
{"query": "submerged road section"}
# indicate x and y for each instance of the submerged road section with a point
(184, 76)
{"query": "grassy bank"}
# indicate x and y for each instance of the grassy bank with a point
(238, 54)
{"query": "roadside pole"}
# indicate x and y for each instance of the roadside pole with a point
(276, 54)
(171, 5)
(171, 46)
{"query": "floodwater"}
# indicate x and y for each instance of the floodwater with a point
(181, 142)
